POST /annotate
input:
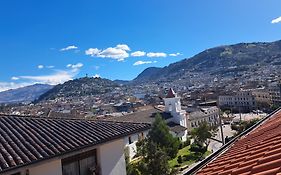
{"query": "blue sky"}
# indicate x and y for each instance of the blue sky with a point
(54, 41)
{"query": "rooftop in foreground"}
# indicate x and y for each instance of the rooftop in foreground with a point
(257, 151)
(26, 140)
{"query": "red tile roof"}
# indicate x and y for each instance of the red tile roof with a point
(25, 140)
(171, 93)
(258, 152)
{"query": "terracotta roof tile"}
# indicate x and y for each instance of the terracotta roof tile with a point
(258, 152)
(171, 93)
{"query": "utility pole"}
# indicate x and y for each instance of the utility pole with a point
(222, 137)
(240, 115)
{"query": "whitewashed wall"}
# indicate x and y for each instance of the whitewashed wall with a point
(111, 158)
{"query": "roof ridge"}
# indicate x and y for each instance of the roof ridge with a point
(68, 119)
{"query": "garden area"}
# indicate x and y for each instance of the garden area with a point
(185, 157)
(160, 153)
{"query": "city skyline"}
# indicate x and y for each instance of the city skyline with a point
(53, 42)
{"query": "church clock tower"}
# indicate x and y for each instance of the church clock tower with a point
(173, 106)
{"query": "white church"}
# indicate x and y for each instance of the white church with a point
(179, 117)
(178, 120)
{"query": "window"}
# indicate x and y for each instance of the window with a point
(170, 107)
(81, 164)
(130, 140)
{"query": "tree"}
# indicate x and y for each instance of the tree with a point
(161, 135)
(202, 134)
(179, 160)
(157, 160)
(157, 149)
(244, 125)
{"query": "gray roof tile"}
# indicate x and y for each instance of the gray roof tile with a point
(24, 140)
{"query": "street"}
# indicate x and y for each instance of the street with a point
(215, 145)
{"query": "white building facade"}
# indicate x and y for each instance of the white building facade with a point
(240, 102)
(173, 106)
(209, 115)
(109, 157)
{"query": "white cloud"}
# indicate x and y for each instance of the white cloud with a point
(174, 54)
(276, 20)
(92, 51)
(123, 47)
(69, 48)
(50, 67)
(75, 67)
(121, 51)
(96, 76)
(114, 53)
(118, 52)
(138, 54)
(11, 85)
(53, 79)
(59, 76)
(156, 54)
(40, 66)
(143, 62)
(15, 78)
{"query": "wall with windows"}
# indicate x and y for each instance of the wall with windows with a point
(131, 141)
(80, 164)
(106, 159)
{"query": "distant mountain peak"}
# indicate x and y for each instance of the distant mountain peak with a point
(216, 61)
(79, 87)
(24, 94)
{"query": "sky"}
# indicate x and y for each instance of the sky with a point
(56, 41)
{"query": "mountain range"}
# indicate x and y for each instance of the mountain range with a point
(79, 87)
(219, 61)
(24, 94)
(243, 60)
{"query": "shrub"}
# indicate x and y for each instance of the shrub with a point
(234, 127)
(197, 148)
(185, 157)
(181, 145)
(179, 159)
(187, 142)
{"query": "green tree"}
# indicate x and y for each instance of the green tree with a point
(157, 149)
(161, 135)
(157, 160)
(202, 134)
(244, 125)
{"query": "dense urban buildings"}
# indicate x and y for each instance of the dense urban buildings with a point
(243, 101)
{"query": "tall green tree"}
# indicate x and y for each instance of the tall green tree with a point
(160, 134)
(157, 149)
(203, 134)
(156, 160)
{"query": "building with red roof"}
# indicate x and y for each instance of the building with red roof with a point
(255, 151)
